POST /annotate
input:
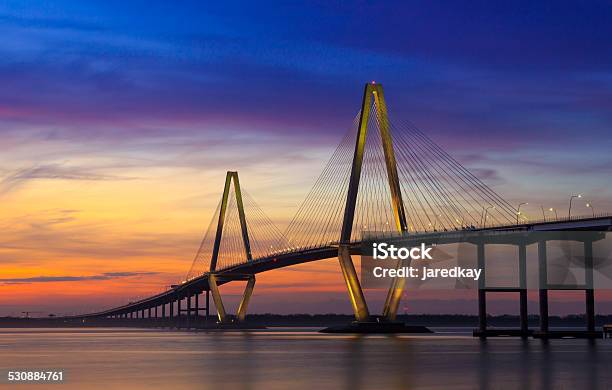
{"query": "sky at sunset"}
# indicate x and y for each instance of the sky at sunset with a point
(118, 121)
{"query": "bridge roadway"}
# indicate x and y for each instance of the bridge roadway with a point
(304, 255)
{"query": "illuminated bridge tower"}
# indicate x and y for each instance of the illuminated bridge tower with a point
(358, 302)
(213, 282)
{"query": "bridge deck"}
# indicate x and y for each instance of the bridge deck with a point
(304, 255)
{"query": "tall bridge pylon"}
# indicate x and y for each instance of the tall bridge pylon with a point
(212, 278)
(237, 238)
(229, 178)
(358, 302)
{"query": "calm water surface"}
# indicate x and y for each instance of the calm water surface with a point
(301, 359)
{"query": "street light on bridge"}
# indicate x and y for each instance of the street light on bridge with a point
(555, 210)
(518, 211)
(462, 222)
(569, 212)
(590, 205)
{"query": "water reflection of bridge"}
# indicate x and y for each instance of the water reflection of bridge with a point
(383, 177)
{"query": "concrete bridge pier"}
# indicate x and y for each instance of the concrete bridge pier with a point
(543, 281)
(589, 292)
(358, 302)
(483, 330)
(179, 318)
(523, 292)
(196, 315)
(588, 288)
(188, 312)
(246, 297)
(482, 293)
(163, 314)
(207, 305)
(223, 319)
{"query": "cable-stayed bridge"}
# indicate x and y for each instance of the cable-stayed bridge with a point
(384, 178)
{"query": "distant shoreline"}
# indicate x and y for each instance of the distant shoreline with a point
(314, 320)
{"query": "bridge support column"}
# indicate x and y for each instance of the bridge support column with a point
(197, 306)
(482, 289)
(543, 276)
(207, 305)
(394, 296)
(244, 302)
(587, 287)
(189, 311)
(214, 289)
(523, 286)
(589, 291)
(358, 302)
(246, 297)
(178, 312)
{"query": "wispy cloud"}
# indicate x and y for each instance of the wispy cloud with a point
(52, 172)
(51, 279)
